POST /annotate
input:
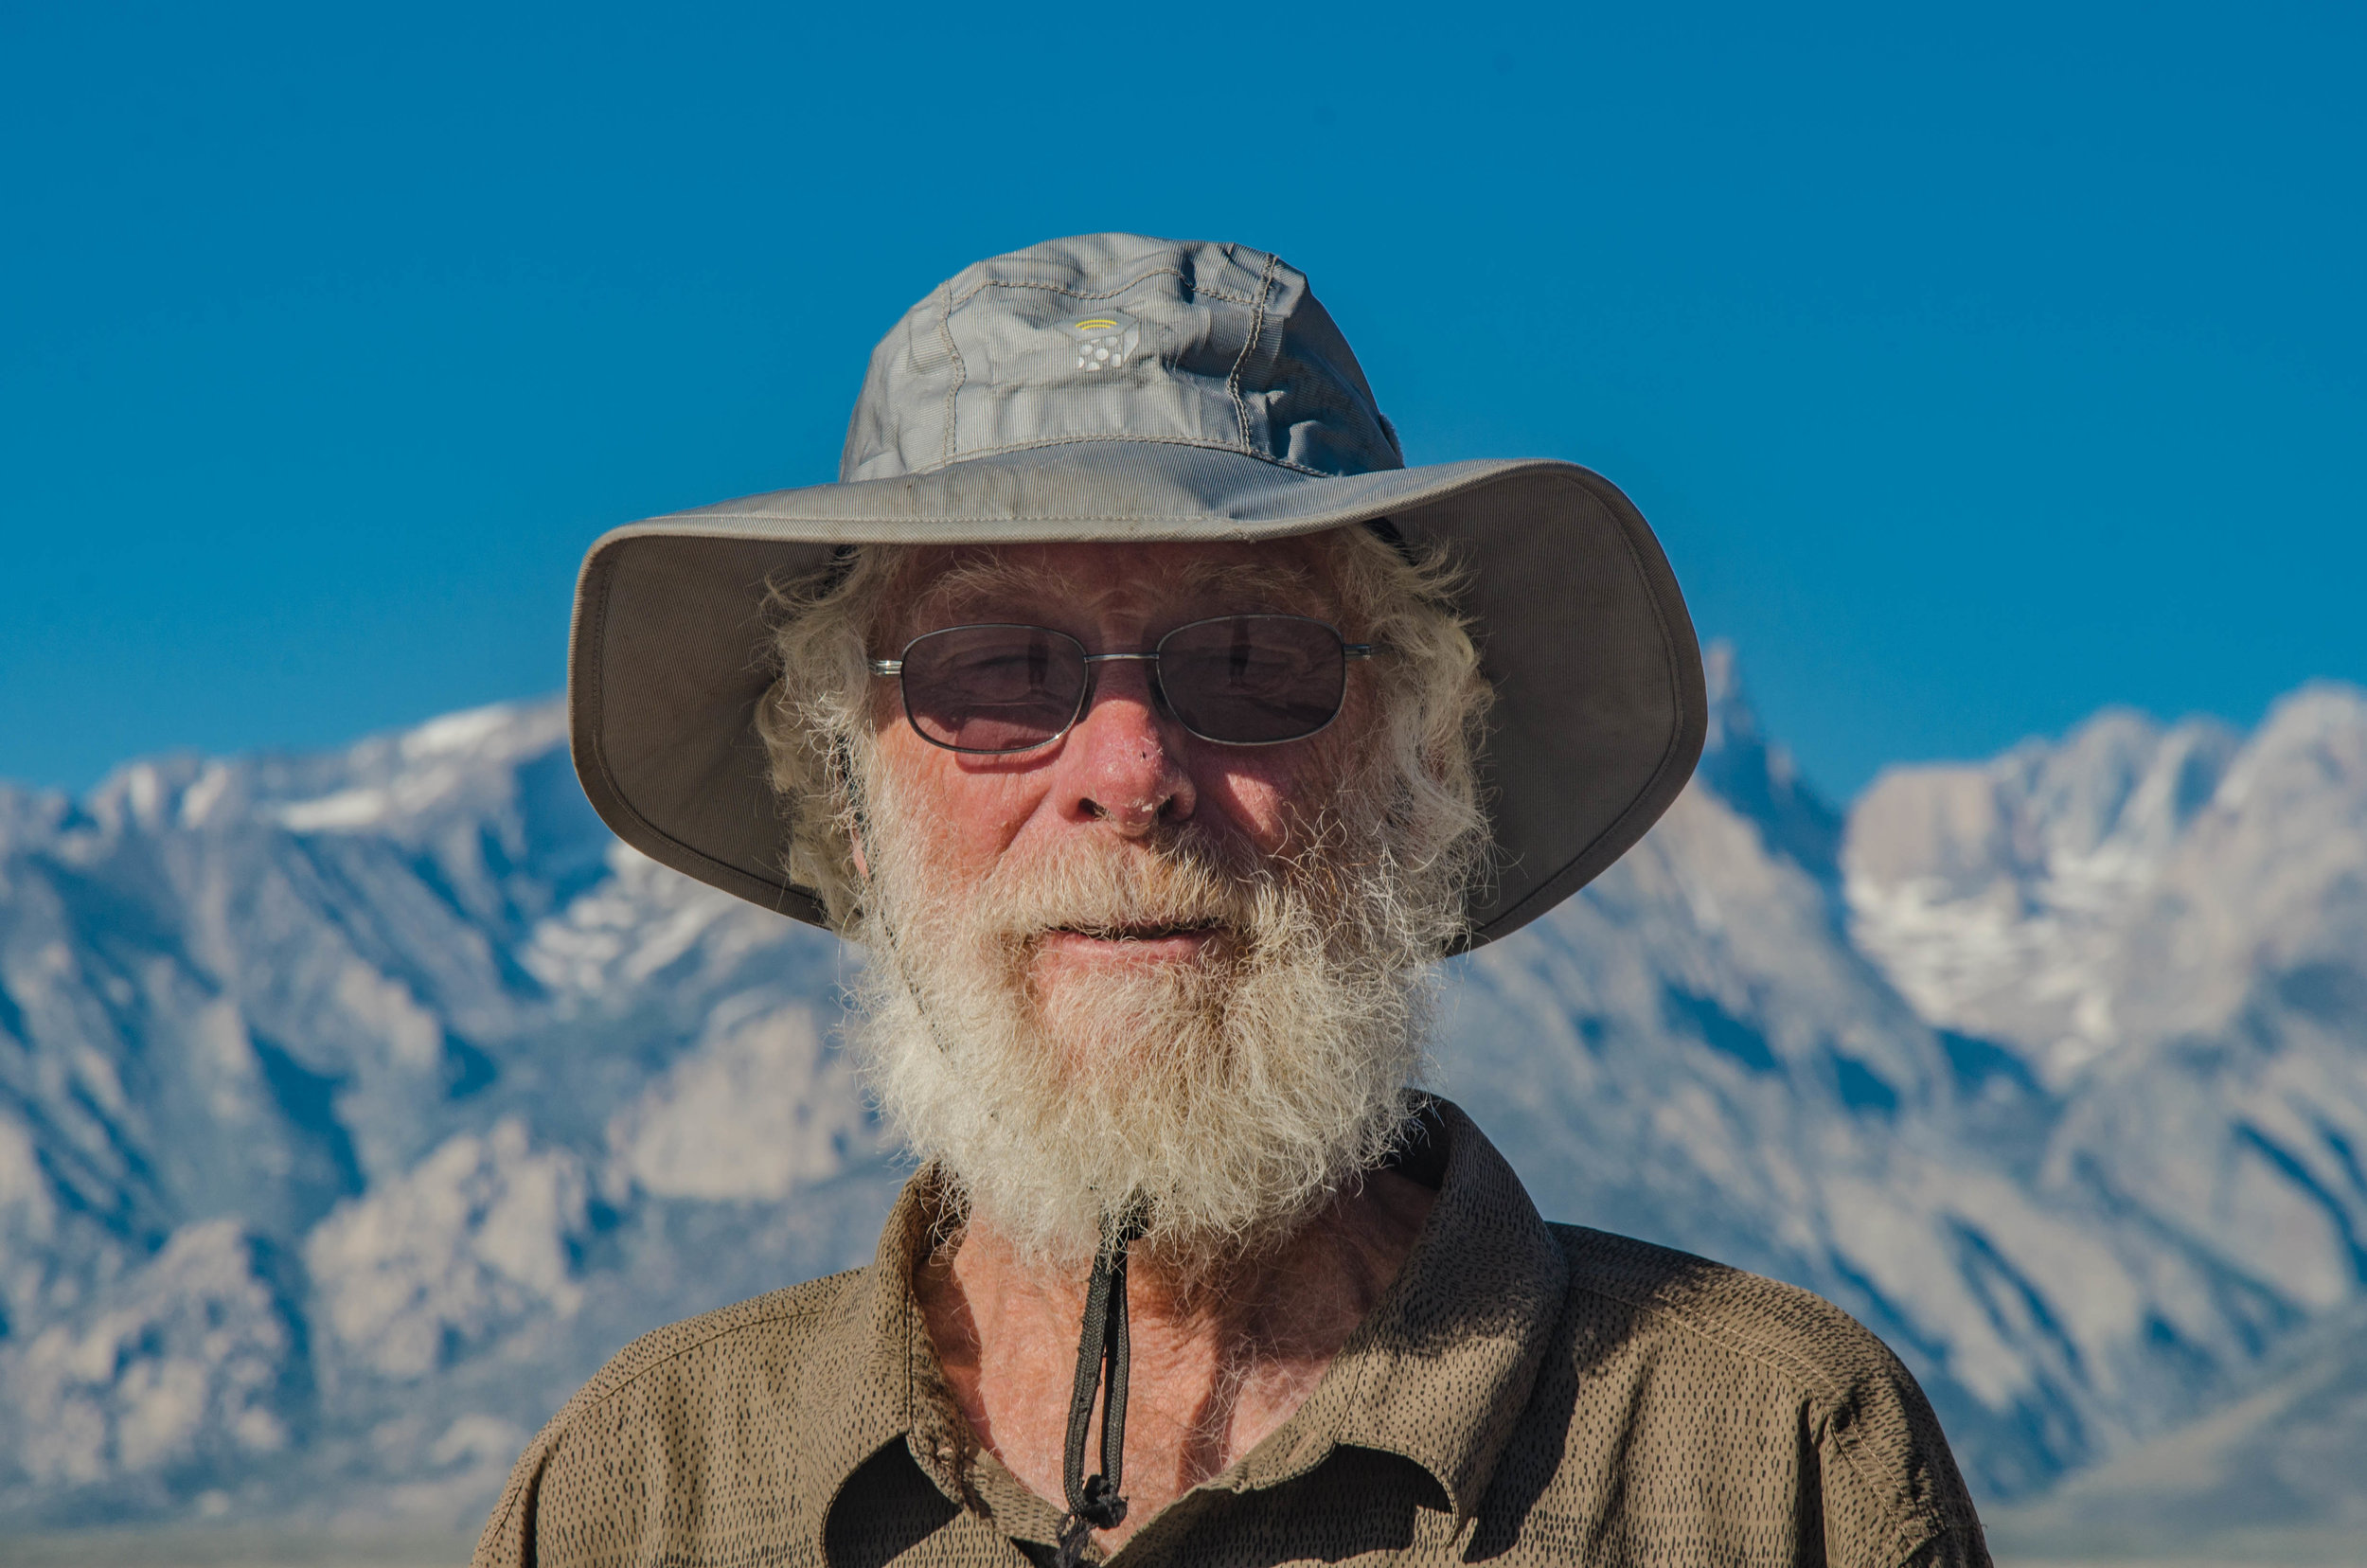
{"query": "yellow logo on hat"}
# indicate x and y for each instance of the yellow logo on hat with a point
(1104, 342)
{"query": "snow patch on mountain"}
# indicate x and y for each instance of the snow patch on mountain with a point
(2169, 926)
(1993, 896)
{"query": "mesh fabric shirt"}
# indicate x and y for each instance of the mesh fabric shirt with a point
(1524, 1393)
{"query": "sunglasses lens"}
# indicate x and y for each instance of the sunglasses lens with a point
(993, 688)
(1252, 680)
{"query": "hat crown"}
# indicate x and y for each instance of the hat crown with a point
(1117, 337)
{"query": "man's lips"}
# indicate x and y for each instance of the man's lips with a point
(1148, 941)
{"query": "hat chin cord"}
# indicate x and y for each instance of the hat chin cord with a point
(1102, 1352)
(1093, 1501)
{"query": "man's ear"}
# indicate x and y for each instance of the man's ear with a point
(843, 763)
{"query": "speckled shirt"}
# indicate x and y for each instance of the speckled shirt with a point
(1524, 1393)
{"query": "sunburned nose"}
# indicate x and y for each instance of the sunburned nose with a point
(1123, 764)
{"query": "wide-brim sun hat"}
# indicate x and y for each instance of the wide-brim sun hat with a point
(1118, 387)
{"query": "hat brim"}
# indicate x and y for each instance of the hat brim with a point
(1600, 708)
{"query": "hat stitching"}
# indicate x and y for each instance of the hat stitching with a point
(1249, 346)
(983, 285)
(961, 369)
(1176, 273)
(1241, 450)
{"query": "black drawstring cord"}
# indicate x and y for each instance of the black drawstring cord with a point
(1093, 1503)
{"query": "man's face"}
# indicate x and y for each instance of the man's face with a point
(1128, 775)
(1133, 966)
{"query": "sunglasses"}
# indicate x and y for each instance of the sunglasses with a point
(1236, 680)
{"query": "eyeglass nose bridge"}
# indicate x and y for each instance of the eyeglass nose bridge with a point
(1158, 691)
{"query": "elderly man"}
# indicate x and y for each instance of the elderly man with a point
(1155, 730)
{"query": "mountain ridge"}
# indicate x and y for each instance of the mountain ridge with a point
(354, 1105)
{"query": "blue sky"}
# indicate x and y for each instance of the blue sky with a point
(1978, 367)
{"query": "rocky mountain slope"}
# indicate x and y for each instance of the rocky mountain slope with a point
(1732, 1044)
(354, 1107)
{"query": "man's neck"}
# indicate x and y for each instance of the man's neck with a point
(1215, 1364)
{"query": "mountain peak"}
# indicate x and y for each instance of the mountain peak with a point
(1757, 777)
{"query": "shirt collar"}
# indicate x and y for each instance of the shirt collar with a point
(1437, 1373)
(1440, 1369)
(873, 1371)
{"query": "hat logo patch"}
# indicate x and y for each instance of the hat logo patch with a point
(1103, 342)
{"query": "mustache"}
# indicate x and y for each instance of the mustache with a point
(1180, 878)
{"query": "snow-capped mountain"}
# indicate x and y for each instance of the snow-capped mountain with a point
(2169, 927)
(354, 1107)
(351, 1106)
(1744, 1040)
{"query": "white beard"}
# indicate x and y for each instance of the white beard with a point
(1221, 1098)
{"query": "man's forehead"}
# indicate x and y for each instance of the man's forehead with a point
(1125, 578)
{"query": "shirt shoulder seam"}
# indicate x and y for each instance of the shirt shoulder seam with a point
(798, 1301)
(1804, 1374)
